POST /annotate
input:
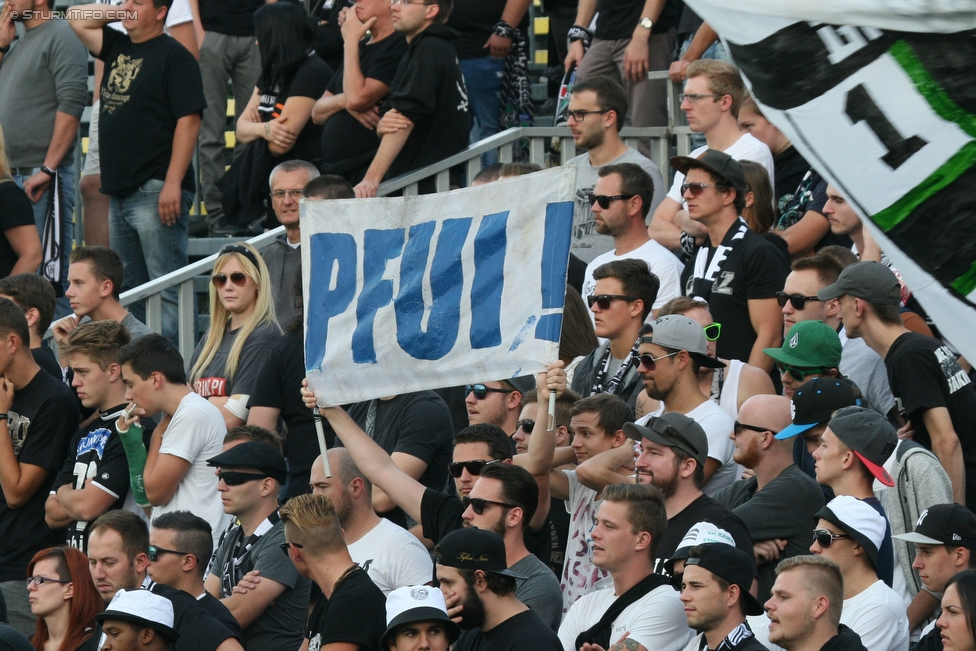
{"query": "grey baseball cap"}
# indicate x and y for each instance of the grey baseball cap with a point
(869, 435)
(678, 332)
(675, 431)
(868, 280)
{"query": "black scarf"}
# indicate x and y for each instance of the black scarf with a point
(604, 366)
(706, 270)
(600, 632)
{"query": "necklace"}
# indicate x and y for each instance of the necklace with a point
(348, 571)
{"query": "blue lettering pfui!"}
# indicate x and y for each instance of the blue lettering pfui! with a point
(555, 262)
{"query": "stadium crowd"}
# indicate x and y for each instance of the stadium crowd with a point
(759, 441)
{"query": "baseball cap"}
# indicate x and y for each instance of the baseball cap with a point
(859, 520)
(703, 533)
(733, 565)
(417, 603)
(474, 549)
(675, 431)
(523, 383)
(944, 524)
(144, 608)
(816, 401)
(253, 454)
(869, 435)
(681, 333)
(869, 280)
(718, 163)
(809, 344)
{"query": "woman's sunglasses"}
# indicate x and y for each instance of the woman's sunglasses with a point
(238, 278)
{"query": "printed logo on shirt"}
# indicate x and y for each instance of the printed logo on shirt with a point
(723, 286)
(315, 643)
(211, 386)
(18, 426)
(94, 442)
(463, 104)
(124, 71)
(365, 565)
(955, 377)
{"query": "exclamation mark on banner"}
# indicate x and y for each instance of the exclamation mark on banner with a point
(555, 261)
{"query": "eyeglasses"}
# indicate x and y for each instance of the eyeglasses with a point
(294, 194)
(526, 424)
(650, 363)
(713, 331)
(155, 551)
(479, 505)
(404, 2)
(232, 478)
(474, 468)
(579, 116)
(481, 391)
(694, 97)
(752, 428)
(603, 300)
(796, 300)
(38, 580)
(826, 538)
(604, 200)
(239, 278)
(799, 372)
(286, 546)
(695, 188)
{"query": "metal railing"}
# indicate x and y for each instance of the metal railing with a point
(503, 144)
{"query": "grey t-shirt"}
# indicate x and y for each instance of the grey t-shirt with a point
(213, 381)
(280, 626)
(284, 265)
(137, 329)
(539, 590)
(586, 242)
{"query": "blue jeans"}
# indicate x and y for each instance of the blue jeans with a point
(67, 225)
(483, 79)
(150, 249)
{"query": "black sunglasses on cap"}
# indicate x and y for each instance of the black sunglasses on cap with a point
(479, 505)
(474, 468)
(798, 301)
(659, 426)
(826, 538)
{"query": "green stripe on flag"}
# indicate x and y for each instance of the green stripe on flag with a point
(937, 98)
(966, 283)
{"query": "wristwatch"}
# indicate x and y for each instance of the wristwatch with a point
(646, 23)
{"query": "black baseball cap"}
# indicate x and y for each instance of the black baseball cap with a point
(474, 549)
(718, 163)
(869, 435)
(675, 431)
(730, 564)
(868, 280)
(253, 454)
(944, 524)
(816, 401)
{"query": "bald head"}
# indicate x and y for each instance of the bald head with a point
(771, 412)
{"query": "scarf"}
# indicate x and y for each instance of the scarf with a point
(707, 271)
(604, 365)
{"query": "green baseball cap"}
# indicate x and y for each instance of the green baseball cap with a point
(809, 344)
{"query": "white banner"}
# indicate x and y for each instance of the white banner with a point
(410, 293)
(888, 117)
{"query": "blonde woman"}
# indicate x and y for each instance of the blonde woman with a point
(20, 245)
(225, 364)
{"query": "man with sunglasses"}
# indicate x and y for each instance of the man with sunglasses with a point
(777, 502)
(736, 271)
(497, 403)
(621, 200)
(850, 532)
(623, 297)
(597, 111)
(250, 476)
(811, 349)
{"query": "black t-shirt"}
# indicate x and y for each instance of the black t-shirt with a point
(347, 146)
(522, 631)
(753, 269)
(96, 453)
(41, 420)
(232, 17)
(13, 640)
(218, 611)
(44, 357)
(198, 631)
(619, 18)
(310, 80)
(800, 189)
(280, 387)
(703, 509)
(146, 89)
(429, 90)
(924, 374)
(15, 210)
(440, 514)
(549, 542)
(356, 614)
(474, 20)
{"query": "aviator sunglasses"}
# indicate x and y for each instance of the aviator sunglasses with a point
(238, 278)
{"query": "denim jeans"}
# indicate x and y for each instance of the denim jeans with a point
(483, 79)
(67, 173)
(150, 249)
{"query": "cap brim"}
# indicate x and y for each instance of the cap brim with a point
(753, 607)
(119, 616)
(869, 547)
(914, 537)
(423, 614)
(790, 431)
(635, 431)
(707, 362)
(784, 357)
(830, 291)
(879, 472)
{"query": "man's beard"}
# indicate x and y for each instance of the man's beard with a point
(667, 486)
(473, 611)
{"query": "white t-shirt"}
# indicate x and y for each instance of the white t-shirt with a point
(392, 557)
(662, 263)
(579, 572)
(760, 628)
(196, 433)
(656, 621)
(748, 147)
(717, 425)
(878, 615)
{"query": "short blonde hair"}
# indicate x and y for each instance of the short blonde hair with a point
(822, 578)
(723, 79)
(315, 518)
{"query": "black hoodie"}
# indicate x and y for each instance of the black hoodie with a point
(845, 640)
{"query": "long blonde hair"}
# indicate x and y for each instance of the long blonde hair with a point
(262, 314)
